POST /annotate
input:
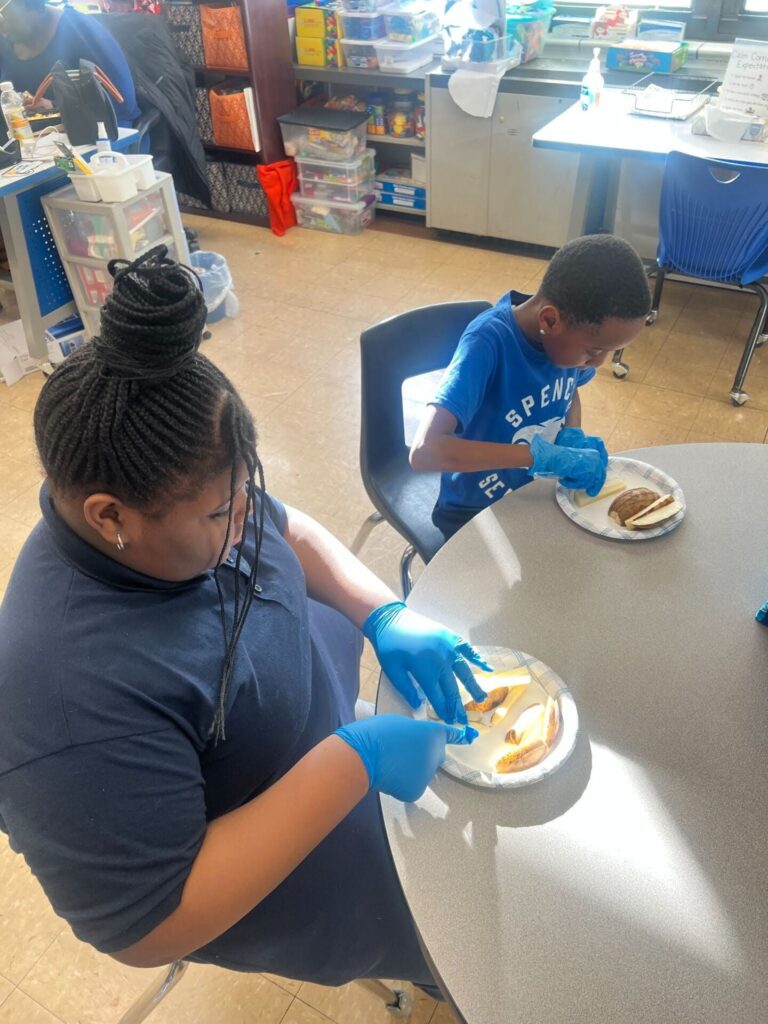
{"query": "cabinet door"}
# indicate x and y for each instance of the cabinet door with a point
(534, 195)
(459, 163)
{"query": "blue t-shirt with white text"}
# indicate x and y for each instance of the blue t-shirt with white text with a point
(500, 388)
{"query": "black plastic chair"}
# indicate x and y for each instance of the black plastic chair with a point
(392, 351)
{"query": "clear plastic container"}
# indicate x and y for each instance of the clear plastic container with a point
(332, 172)
(367, 6)
(322, 134)
(409, 24)
(359, 55)
(336, 192)
(493, 55)
(362, 25)
(403, 58)
(530, 29)
(336, 218)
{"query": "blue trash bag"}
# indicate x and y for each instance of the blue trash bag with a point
(216, 280)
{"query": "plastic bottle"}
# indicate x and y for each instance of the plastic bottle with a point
(13, 111)
(592, 83)
(103, 145)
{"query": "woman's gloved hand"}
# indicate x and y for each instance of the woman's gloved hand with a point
(408, 644)
(574, 437)
(578, 468)
(399, 754)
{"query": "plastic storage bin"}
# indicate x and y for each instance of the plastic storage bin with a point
(115, 177)
(361, 25)
(337, 218)
(409, 24)
(335, 192)
(359, 55)
(530, 29)
(364, 5)
(352, 173)
(492, 55)
(403, 58)
(315, 132)
(85, 187)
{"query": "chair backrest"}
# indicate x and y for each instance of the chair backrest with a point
(404, 346)
(713, 219)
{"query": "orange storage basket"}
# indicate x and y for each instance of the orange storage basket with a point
(229, 116)
(223, 38)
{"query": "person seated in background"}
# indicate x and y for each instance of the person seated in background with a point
(508, 409)
(35, 37)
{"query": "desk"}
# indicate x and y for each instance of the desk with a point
(42, 292)
(612, 134)
(630, 886)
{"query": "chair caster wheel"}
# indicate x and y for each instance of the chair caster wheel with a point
(652, 317)
(739, 397)
(403, 1008)
(620, 370)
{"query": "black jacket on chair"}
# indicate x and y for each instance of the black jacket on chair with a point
(166, 86)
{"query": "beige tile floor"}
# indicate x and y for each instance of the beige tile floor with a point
(294, 353)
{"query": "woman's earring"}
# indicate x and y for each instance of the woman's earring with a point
(542, 332)
(120, 543)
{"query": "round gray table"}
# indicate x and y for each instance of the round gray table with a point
(632, 885)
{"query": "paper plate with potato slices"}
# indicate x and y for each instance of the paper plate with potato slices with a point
(638, 502)
(527, 727)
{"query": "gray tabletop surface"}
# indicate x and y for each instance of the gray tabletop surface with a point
(632, 885)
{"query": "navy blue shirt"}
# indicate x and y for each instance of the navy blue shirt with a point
(77, 36)
(500, 388)
(109, 774)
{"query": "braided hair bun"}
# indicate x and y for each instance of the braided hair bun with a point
(152, 323)
(141, 414)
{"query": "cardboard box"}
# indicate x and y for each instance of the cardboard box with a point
(319, 53)
(613, 23)
(317, 22)
(644, 56)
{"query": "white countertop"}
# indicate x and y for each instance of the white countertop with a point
(631, 885)
(610, 129)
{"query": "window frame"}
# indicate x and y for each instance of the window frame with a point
(719, 21)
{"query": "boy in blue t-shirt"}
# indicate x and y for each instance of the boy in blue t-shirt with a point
(507, 409)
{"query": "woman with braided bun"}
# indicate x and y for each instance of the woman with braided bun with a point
(179, 658)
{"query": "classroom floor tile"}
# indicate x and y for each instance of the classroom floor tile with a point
(294, 353)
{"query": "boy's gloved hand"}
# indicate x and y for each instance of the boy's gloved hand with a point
(401, 755)
(574, 437)
(578, 468)
(408, 644)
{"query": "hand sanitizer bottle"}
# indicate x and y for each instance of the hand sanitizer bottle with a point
(592, 83)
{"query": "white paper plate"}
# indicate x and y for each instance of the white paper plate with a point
(475, 763)
(634, 473)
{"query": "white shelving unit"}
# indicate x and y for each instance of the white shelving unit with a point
(89, 235)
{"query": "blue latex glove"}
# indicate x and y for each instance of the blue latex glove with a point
(762, 615)
(574, 437)
(578, 468)
(408, 644)
(401, 755)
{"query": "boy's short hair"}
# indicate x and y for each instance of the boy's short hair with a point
(596, 277)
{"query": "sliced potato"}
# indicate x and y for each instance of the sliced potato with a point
(529, 725)
(522, 757)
